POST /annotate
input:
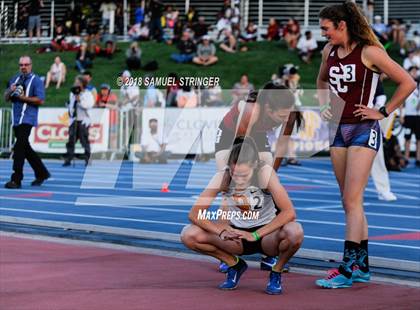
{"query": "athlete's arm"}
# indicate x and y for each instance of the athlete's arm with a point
(248, 115)
(376, 58)
(203, 203)
(322, 83)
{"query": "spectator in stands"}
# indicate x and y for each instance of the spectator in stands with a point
(250, 33)
(172, 90)
(87, 75)
(170, 17)
(80, 102)
(155, 25)
(200, 28)
(107, 9)
(119, 18)
(57, 73)
(222, 25)
(381, 31)
(206, 52)
(370, 6)
(398, 30)
(186, 47)
(212, 96)
(83, 58)
(416, 39)
(22, 20)
(129, 93)
(232, 13)
(139, 13)
(76, 17)
(307, 46)
(34, 21)
(410, 118)
(178, 30)
(110, 42)
(186, 97)
(273, 30)
(191, 17)
(139, 32)
(291, 33)
(412, 60)
(58, 43)
(133, 57)
(241, 89)
(153, 144)
(106, 98)
(153, 98)
(229, 44)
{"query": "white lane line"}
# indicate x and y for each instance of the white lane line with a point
(183, 224)
(95, 216)
(370, 242)
(370, 226)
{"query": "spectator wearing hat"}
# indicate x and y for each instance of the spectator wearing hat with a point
(206, 53)
(106, 98)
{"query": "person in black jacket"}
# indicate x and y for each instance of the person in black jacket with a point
(186, 47)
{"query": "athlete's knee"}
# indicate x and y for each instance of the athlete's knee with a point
(294, 233)
(191, 235)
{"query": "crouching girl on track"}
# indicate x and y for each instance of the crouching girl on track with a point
(250, 193)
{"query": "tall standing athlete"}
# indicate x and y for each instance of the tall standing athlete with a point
(351, 63)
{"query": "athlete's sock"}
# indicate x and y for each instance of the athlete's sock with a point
(363, 256)
(349, 258)
(239, 264)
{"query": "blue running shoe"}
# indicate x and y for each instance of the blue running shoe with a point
(267, 262)
(358, 276)
(233, 275)
(274, 284)
(223, 267)
(334, 280)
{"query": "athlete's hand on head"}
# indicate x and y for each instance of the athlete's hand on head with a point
(367, 113)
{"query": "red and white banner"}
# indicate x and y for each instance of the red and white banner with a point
(51, 134)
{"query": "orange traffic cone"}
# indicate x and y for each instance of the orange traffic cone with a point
(165, 188)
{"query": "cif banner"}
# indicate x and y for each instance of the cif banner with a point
(51, 134)
(188, 131)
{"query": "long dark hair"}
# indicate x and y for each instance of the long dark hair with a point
(244, 151)
(269, 95)
(358, 27)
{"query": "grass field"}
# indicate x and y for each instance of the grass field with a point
(260, 62)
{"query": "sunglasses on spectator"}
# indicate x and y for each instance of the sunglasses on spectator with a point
(25, 65)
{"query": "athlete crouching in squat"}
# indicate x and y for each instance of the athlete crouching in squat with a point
(245, 186)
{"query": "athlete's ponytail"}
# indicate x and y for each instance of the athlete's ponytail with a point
(358, 27)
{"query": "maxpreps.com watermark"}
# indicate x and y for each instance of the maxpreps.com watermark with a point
(227, 215)
(207, 81)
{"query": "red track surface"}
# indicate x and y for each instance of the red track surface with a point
(45, 275)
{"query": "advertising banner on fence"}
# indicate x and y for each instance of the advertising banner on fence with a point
(51, 134)
(193, 131)
(188, 131)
